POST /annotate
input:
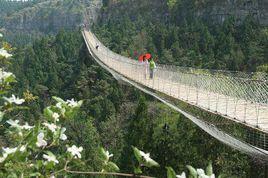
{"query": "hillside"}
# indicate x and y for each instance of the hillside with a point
(65, 116)
(50, 16)
(183, 36)
(216, 11)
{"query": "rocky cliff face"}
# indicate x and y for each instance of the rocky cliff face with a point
(50, 16)
(220, 10)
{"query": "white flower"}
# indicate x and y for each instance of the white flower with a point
(62, 135)
(4, 53)
(22, 148)
(200, 172)
(14, 124)
(20, 133)
(146, 156)
(58, 105)
(2, 159)
(108, 155)
(56, 116)
(15, 100)
(27, 126)
(9, 150)
(72, 103)
(183, 175)
(1, 35)
(50, 158)
(212, 176)
(205, 176)
(1, 115)
(4, 75)
(75, 151)
(6, 152)
(40, 140)
(51, 127)
(62, 110)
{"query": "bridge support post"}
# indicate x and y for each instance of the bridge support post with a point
(197, 90)
(245, 111)
(226, 103)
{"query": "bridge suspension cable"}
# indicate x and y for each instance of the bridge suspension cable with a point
(238, 98)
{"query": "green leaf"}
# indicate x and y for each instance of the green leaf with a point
(151, 163)
(209, 169)
(10, 79)
(170, 172)
(48, 113)
(50, 165)
(112, 167)
(59, 100)
(38, 164)
(12, 175)
(70, 114)
(223, 176)
(137, 154)
(192, 171)
(35, 174)
(79, 104)
(137, 170)
(141, 160)
(103, 154)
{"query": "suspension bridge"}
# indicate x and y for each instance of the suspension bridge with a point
(236, 96)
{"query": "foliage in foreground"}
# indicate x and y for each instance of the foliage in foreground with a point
(40, 148)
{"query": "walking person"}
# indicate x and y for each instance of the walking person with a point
(152, 67)
(145, 64)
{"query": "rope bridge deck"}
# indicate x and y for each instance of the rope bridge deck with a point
(194, 81)
(241, 99)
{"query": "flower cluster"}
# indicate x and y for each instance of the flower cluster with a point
(107, 165)
(196, 173)
(4, 53)
(144, 160)
(75, 151)
(42, 148)
(49, 134)
(201, 173)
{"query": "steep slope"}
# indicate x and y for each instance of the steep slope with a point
(50, 16)
(219, 11)
(216, 11)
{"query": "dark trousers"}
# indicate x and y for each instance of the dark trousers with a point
(151, 73)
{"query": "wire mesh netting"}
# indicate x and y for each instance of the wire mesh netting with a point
(240, 97)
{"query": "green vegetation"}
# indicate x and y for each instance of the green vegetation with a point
(185, 40)
(117, 117)
(8, 7)
(112, 118)
(23, 22)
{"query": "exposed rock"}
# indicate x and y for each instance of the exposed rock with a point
(50, 16)
(220, 10)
